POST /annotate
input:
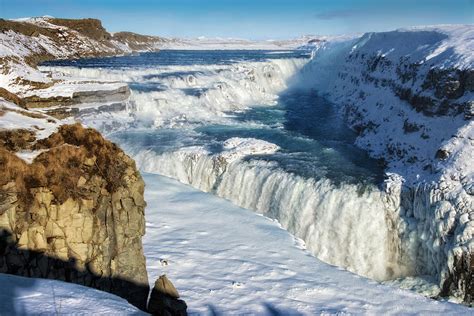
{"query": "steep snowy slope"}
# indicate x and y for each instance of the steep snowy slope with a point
(410, 95)
(32, 296)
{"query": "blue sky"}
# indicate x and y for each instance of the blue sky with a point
(256, 19)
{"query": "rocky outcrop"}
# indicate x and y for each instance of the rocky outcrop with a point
(164, 299)
(97, 96)
(76, 213)
(460, 278)
(91, 28)
(137, 42)
(11, 97)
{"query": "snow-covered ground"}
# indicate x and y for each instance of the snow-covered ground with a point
(32, 296)
(15, 117)
(229, 260)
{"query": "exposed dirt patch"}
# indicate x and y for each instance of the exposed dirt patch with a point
(72, 152)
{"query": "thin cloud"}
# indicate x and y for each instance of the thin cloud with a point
(336, 14)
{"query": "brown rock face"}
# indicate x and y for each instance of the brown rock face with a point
(91, 28)
(75, 214)
(7, 95)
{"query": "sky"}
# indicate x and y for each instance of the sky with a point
(252, 19)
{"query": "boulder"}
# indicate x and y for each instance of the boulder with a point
(164, 299)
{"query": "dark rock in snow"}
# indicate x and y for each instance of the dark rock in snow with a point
(164, 299)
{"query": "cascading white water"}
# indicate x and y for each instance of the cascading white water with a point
(180, 95)
(344, 225)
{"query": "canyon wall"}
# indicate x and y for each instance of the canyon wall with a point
(409, 94)
(75, 213)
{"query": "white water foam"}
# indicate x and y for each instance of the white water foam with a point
(182, 95)
(341, 225)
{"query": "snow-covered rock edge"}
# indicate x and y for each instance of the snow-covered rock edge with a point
(409, 94)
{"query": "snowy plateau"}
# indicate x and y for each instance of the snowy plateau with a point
(232, 216)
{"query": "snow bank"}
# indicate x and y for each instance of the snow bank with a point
(17, 118)
(31, 296)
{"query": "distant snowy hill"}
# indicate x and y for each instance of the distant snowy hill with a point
(205, 43)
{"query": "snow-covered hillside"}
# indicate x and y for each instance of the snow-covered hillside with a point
(26, 42)
(32, 296)
(410, 94)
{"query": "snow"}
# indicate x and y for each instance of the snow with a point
(28, 156)
(236, 148)
(335, 71)
(32, 296)
(218, 43)
(229, 260)
(14, 119)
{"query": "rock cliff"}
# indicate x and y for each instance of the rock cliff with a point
(409, 94)
(75, 213)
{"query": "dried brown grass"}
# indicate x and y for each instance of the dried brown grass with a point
(109, 160)
(17, 139)
(9, 96)
(60, 167)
